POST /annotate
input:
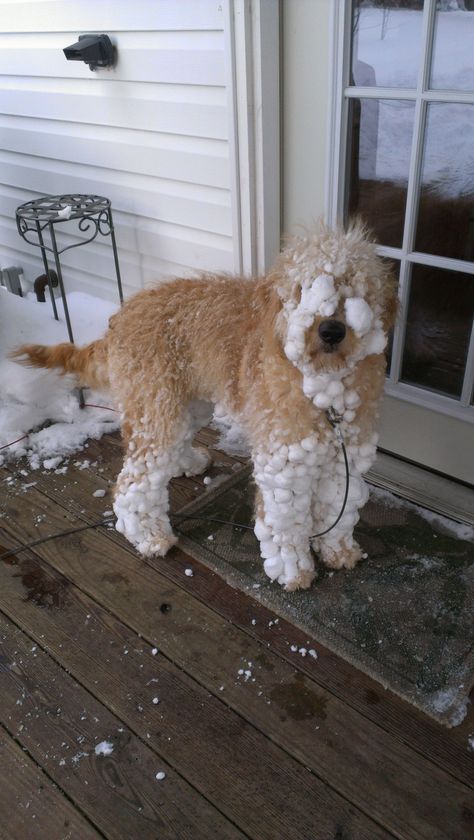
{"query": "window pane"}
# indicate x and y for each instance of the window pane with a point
(453, 67)
(446, 211)
(438, 328)
(386, 42)
(380, 136)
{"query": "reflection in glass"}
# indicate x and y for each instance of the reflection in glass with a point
(446, 210)
(453, 67)
(380, 136)
(438, 328)
(386, 42)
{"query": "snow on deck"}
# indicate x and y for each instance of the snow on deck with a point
(31, 398)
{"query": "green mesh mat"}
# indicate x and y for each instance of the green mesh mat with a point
(404, 616)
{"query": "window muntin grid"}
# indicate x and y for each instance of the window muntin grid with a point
(421, 94)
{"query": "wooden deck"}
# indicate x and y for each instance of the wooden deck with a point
(297, 748)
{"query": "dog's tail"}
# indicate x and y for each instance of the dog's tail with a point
(88, 363)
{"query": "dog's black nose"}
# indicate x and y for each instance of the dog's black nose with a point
(332, 332)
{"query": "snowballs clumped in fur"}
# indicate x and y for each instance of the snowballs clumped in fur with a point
(359, 315)
(306, 482)
(284, 477)
(318, 298)
(141, 503)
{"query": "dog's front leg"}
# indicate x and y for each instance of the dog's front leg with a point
(283, 516)
(363, 387)
(154, 455)
(337, 548)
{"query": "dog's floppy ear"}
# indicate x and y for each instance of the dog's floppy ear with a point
(389, 296)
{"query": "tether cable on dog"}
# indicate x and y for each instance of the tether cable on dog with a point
(333, 419)
(14, 551)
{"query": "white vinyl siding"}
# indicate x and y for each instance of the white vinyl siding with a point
(153, 134)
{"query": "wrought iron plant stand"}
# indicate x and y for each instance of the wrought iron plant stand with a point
(93, 214)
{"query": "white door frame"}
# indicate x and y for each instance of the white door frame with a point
(252, 29)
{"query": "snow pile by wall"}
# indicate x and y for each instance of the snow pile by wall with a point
(41, 404)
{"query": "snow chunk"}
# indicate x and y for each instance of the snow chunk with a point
(104, 748)
(52, 463)
(359, 315)
(447, 701)
(65, 213)
(99, 494)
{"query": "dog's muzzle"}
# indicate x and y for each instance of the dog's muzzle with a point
(332, 332)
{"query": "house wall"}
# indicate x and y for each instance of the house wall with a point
(153, 134)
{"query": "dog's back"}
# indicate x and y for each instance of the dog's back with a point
(188, 333)
(177, 323)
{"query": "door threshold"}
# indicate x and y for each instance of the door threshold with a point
(430, 490)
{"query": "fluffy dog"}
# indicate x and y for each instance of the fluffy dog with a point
(277, 352)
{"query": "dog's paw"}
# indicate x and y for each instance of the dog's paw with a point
(156, 545)
(303, 580)
(344, 557)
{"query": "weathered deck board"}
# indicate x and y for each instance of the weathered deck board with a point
(447, 748)
(60, 723)
(224, 756)
(31, 807)
(368, 773)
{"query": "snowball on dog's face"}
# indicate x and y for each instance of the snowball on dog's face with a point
(337, 299)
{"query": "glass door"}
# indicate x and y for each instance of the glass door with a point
(406, 137)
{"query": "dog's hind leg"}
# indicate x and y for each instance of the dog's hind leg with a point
(283, 512)
(196, 459)
(155, 453)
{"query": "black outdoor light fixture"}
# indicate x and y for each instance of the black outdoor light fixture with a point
(94, 50)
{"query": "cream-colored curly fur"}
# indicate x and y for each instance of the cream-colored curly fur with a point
(255, 347)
